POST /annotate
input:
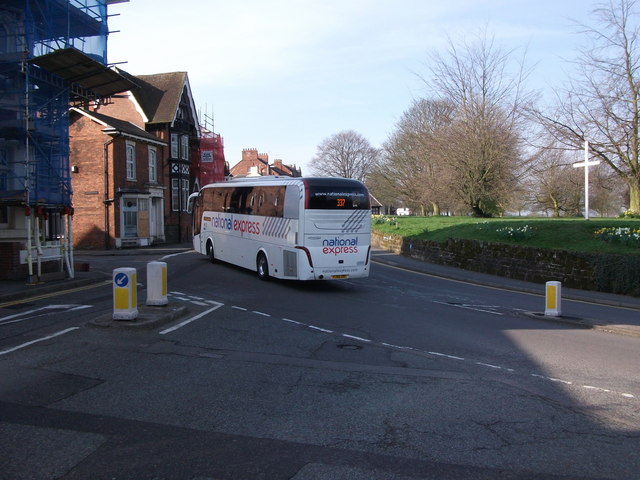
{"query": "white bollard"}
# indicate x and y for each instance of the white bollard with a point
(553, 299)
(125, 294)
(157, 283)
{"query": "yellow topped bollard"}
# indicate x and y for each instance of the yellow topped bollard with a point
(157, 283)
(553, 299)
(125, 294)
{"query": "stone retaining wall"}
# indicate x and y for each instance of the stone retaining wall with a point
(586, 271)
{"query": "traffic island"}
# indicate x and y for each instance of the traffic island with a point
(149, 318)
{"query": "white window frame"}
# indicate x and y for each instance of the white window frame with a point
(153, 164)
(179, 194)
(4, 39)
(175, 145)
(131, 160)
(175, 194)
(185, 193)
(129, 213)
(4, 168)
(184, 147)
(132, 214)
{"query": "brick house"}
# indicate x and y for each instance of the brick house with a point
(118, 198)
(131, 164)
(254, 164)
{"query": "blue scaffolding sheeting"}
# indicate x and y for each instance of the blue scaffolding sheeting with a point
(35, 97)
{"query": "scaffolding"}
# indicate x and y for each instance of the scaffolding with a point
(208, 159)
(208, 162)
(39, 80)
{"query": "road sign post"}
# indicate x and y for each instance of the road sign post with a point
(125, 294)
(586, 164)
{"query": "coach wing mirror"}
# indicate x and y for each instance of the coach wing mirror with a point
(191, 201)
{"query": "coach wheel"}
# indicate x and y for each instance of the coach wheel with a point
(262, 267)
(212, 257)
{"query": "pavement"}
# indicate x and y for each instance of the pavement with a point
(18, 291)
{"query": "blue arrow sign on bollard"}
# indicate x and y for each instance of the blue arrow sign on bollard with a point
(121, 279)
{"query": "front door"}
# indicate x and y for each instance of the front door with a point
(130, 217)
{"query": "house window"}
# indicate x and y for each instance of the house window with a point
(4, 34)
(184, 147)
(131, 161)
(185, 193)
(175, 194)
(175, 145)
(4, 169)
(153, 165)
(4, 183)
(130, 217)
(179, 194)
(4, 215)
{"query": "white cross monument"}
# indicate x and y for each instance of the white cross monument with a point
(586, 164)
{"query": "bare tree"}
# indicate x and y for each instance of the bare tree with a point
(482, 144)
(383, 191)
(601, 103)
(607, 194)
(481, 158)
(411, 165)
(345, 154)
(553, 184)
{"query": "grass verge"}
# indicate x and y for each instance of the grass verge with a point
(597, 235)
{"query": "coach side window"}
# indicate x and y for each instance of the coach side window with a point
(195, 202)
(246, 204)
(271, 201)
(234, 201)
(292, 202)
(238, 200)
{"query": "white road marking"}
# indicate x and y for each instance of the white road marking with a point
(360, 339)
(57, 293)
(452, 357)
(489, 365)
(189, 320)
(469, 307)
(440, 354)
(200, 301)
(292, 321)
(62, 332)
(319, 329)
(4, 319)
(395, 346)
(21, 317)
(176, 254)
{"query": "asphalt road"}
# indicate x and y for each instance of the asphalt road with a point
(399, 376)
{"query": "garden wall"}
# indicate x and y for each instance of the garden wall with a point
(587, 271)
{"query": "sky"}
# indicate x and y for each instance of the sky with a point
(281, 76)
